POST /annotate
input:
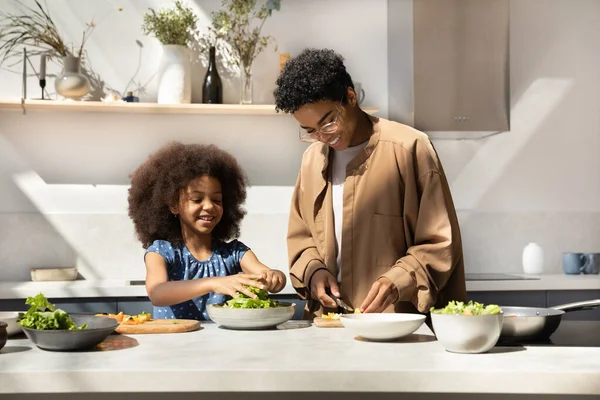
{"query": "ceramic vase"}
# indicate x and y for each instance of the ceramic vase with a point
(533, 259)
(174, 79)
(71, 83)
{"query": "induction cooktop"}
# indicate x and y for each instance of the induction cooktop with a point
(497, 277)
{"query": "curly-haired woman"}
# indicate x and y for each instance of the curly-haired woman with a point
(186, 202)
(372, 218)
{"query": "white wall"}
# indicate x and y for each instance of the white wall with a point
(64, 176)
(541, 181)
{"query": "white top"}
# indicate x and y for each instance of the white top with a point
(295, 360)
(340, 160)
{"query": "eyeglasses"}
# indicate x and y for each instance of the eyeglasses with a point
(324, 132)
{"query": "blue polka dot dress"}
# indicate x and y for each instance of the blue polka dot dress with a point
(182, 265)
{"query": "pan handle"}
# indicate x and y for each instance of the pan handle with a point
(578, 306)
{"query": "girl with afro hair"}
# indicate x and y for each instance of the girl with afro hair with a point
(186, 202)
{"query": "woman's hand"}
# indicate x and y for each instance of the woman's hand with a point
(320, 281)
(383, 294)
(274, 280)
(233, 284)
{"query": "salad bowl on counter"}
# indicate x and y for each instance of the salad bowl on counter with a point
(469, 328)
(51, 328)
(95, 330)
(245, 313)
(251, 318)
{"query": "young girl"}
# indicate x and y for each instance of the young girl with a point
(185, 202)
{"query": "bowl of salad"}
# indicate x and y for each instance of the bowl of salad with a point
(243, 312)
(51, 328)
(467, 327)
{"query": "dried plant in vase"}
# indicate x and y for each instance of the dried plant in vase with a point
(239, 23)
(35, 29)
(174, 28)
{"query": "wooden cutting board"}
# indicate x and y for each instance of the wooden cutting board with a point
(160, 326)
(327, 323)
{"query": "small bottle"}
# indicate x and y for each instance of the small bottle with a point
(131, 98)
(212, 89)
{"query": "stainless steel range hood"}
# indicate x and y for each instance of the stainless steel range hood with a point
(461, 65)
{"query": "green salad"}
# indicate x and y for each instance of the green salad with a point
(243, 301)
(470, 308)
(43, 315)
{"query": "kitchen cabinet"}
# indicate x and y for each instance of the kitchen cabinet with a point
(136, 305)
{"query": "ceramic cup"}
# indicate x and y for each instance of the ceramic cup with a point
(577, 263)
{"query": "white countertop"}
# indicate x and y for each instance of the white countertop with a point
(122, 288)
(82, 288)
(296, 359)
(545, 282)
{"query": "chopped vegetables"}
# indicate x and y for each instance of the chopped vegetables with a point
(471, 308)
(43, 315)
(243, 301)
(331, 316)
(125, 319)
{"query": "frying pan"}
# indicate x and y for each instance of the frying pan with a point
(532, 323)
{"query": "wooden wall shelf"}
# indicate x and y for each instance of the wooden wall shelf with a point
(144, 108)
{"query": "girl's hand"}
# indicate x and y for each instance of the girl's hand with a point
(274, 280)
(233, 284)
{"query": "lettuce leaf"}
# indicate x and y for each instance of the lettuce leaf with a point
(471, 308)
(43, 315)
(243, 301)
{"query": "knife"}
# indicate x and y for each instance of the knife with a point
(339, 301)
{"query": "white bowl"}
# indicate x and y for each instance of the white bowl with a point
(467, 333)
(10, 317)
(251, 318)
(53, 274)
(388, 326)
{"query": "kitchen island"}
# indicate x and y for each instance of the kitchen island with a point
(298, 360)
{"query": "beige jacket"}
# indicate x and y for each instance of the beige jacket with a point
(399, 222)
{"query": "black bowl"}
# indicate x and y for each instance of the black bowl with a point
(3, 334)
(98, 329)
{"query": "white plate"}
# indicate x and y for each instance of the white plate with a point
(388, 326)
(251, 318)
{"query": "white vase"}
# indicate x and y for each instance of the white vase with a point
(533, 259)
(71, 83)
(175, 76)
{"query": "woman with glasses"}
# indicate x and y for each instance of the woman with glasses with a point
(372, 221)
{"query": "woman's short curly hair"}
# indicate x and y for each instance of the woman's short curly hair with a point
(157, 183)
(311, 76)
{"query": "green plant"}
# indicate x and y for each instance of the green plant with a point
(239, 24)
(172, 25)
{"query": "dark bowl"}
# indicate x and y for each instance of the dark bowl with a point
(98, 329)
(3, 334)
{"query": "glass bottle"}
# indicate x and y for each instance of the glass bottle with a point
(212, 89)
